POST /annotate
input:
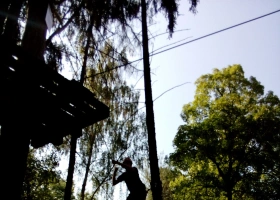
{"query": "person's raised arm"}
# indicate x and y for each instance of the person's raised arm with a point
(114, 176)
(127, 167)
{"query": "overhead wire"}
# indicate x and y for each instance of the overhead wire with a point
(128, 63)
(172, 44)
(168, 33)
(202, 37)
(222, 30)
(116, 59)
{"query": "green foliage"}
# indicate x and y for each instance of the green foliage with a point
(122, 134)
(189, 185)
(42, 180)
(167, 175)
(230, 141)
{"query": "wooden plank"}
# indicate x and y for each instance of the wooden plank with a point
(32, 92)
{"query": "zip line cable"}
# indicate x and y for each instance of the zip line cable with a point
(216, 32)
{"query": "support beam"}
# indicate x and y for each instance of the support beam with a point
(14, 147)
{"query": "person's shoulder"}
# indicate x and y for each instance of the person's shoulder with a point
(134, 169)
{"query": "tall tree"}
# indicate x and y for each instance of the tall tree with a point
(86, 16)
(231, 136)
(94, 17)
(170, 8)
(12, 28)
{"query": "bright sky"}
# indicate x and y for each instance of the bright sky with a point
(256, 46)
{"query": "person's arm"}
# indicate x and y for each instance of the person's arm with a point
(115, 181)
(127, 167)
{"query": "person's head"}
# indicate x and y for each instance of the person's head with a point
(127, 161)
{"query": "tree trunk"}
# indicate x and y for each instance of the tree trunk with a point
(87, 171)
(74, 138)
(71, 167)
(15, 132)
(14, 147)
(155, 178)
(28, 191)
(229, 193)
(34, 37)
(4, 5)
(11, 31)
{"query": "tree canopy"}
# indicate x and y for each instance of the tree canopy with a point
(81, 27)
(229, 146)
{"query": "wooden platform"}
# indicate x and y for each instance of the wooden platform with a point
(32, 93)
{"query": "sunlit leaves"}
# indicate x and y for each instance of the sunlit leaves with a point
(232, 127)
(42, 180)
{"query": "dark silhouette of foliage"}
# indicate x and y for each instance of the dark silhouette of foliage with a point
(85, 24)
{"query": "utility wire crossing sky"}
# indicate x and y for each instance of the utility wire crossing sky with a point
(202, 37)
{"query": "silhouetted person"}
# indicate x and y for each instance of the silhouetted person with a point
(131, 177)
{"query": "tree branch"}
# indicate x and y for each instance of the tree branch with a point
(63, 27)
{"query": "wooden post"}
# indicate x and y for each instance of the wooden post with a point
(15, 138)
(14, 147)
